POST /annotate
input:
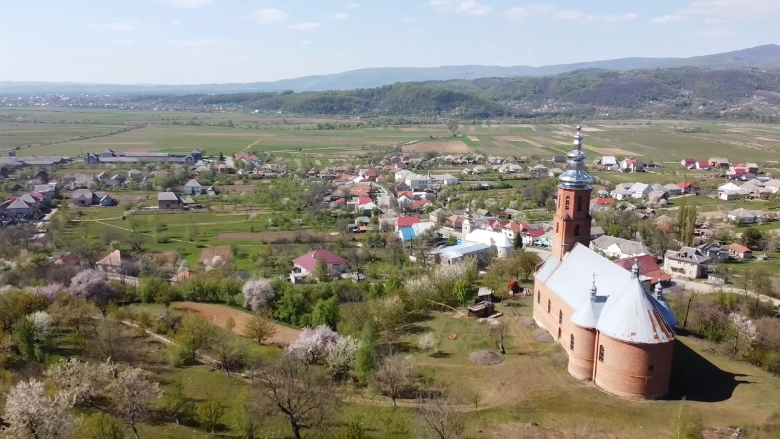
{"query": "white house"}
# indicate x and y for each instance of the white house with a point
(192, 187)
(618, 247)
(772, 185)
(622, 194)
(608, 160)
(640, 190)
(673, 189)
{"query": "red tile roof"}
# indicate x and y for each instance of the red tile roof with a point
(363, 201)
(602, 201)
(689, 160)
(309, 260)
(647, 267)
(406, 222)
(685, 185)
(740, 249)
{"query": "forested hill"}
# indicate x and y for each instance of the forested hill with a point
(694, 92)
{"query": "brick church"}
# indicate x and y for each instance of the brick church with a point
(615, 332)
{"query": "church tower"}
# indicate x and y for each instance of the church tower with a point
(572, 218)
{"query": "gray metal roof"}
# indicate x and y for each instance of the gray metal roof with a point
(458, 251)
(167, 196)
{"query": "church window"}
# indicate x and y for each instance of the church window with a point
(601, 353)
(571, 342)
(579, 203)
(568, 203)
(549, 306)
(576, 230)
(559, 334)
(556, 228)
(539, 297)
(560, 317)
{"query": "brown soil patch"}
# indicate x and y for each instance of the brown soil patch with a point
(502, 144)
(215, 251)
(303, 235)
(473, 138)
(237, 188)
(218, 315)
(411, 129)
(450, 147)
(486, 357)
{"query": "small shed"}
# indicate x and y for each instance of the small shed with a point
(484, 294)
(481, 310)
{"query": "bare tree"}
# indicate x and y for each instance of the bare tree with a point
(132, 396)
(136, 241)
(394, 376)
(260, 327)
(89, 254)
(440, 416)
(227, 349)
(300, 393)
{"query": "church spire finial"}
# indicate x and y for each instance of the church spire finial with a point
(576, 177)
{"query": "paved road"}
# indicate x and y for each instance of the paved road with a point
(707, 288)
(384, 200)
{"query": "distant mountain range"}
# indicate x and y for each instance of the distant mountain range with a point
(766, 56)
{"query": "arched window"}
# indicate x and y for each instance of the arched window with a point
(601, 353)
(568, 203)
(556, 228)
(576, 230)
(571, 342)
(560, 317)
(579, 203)
(539, 297)
(559, 334)
(549, 306)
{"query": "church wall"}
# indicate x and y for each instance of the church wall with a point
(581, 357)
(550, 321)
(633, 370)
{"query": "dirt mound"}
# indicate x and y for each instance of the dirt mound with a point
(486, 357)
(542, 336)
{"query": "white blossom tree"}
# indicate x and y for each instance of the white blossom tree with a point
(257, 294)
(428, 342)
(341, 356)
(78, 381)
(744, 331)
(50, 291)
(31, 413)
(311, 345)
(42, 321)
(132, 395)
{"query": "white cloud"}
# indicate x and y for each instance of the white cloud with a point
(469, 7)
(523, 11)
(340, 16)
(666, 19)
(190, 4)
(572, 14)
(270, 15)
(517, 13)
(120, 26)
(619, 17)
(352, 5)
(715, 33)
(304, 26)
(721, 11)
(208, 43)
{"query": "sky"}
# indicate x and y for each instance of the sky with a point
(225, 41)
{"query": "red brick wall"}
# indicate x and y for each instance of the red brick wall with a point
(626, 370)
(581, 358)
(566, 221)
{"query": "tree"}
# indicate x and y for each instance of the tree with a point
(227, 349)
(387, 314)
(230, 324)
(366, 354)
(136, 241)
(31, 413)
(394, 376)
(260, 327)
(340, 357)
(428, 342)
(100, 426)
(751, 238)
(176, 404)
(108, 340)
(257, 294)
(762, 284)
(311, 346)
(326, 312)
(132, 396)
(249, 417)
(154, 289)
(89, 253)
(296, 391)
(452, 127)
(91, 285)
(322, 271)
(134, 223)
(526, 263)
(78, 381)
(193, 335)
(440, 416)
(686, 221)
(744, 333)
(210, 412)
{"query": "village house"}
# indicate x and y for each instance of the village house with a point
(608, 160)
(85, 197)
(719, 162)
(688, 188)
(114, 263)
(687, 262)
(16, 208)
(602, 315)
(192, 187)
(687, 162)
(740, 251)
(619, 247)
(640, 190)
(306, 265)
(648, 269)
(168, 200)
(744, 216)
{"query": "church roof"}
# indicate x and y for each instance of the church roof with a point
(622, 308)
(489, 238)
